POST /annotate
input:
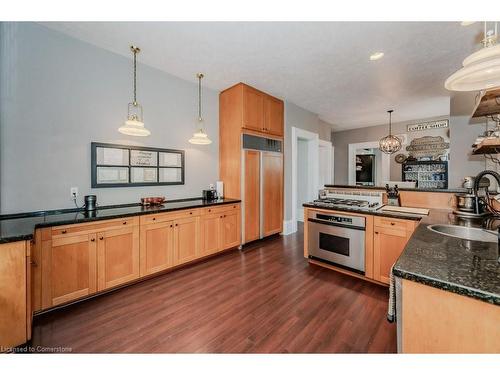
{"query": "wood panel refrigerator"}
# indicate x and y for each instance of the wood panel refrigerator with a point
(261, 187)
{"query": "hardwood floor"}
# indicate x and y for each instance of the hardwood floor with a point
(266, 299)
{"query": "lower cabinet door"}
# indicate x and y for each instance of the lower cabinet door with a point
(388, 245)
(230, 229)
(186, 234)
(211, 234)
(68, 269)
(157, 247)
(13, 292)
(117, 257)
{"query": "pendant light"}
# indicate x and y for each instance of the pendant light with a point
(200, 137)
(134, 125)
(390, 144)
(481, 70)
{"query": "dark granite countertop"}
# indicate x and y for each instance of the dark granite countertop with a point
(19, 227)
(424, 190)
(469, 268)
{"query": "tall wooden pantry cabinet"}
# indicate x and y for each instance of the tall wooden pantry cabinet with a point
(251, 129)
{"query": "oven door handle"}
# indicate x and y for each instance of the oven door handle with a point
(336, 224)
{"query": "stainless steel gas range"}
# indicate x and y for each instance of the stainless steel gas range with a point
(339, 239)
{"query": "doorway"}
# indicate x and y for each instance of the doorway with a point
(305, 173)
(380, 164)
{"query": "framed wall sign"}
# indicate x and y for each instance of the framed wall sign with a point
(116, 165)
(429, 125)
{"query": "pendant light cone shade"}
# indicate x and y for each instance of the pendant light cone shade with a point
(200, 137)
(481, 70)
(134, 124)
(390, 144)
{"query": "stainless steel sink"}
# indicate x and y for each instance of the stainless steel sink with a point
(465, 233)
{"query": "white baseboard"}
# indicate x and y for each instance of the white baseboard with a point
(289, 227)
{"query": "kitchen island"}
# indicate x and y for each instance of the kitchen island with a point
(448, 289)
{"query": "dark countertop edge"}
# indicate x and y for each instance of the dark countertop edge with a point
(76, 210)
(29, 236)
(429, 190)
(449, 287)
(21, 237)
(393, 215)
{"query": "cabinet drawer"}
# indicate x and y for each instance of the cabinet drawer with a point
(387, 222)
(68, 230)
(168, 216)
(219, 209)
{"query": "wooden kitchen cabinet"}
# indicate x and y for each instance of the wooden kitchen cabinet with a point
(186, 239)
(389, 240)
(273, 115)
(14, 294)
(253, 109)
(117, 257)
(252, 195)
(69, 268)
(211, 241)
(230, 229)
(272, 192)
(157, 247)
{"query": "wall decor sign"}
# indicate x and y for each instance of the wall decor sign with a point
(428, 147)
(429, 125)
(116, 165)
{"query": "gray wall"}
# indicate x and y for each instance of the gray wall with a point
(464, 131)
(58, 94)
(296, 116)
(342, 139)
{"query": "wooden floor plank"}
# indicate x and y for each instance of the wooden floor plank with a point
(266, 299)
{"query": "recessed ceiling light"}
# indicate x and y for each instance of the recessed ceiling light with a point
(376, 56)
(467, 23)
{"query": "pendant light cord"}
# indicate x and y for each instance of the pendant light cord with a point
(135, 77)
(200, 76)
(390, 121)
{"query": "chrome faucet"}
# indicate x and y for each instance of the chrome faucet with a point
(477, 179)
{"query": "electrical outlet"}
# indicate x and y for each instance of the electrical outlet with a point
(74, 192)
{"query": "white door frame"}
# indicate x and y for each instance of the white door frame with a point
(386, 161)
(314, 165)
(329, 149)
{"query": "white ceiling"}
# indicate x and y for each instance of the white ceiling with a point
(321, 66)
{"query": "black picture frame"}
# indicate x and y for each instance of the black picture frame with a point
(94, 165)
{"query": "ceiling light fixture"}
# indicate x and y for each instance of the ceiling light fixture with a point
(134, 125)
(467, 23)
(376, 56)
(200, 137)
(481, 70)
(390, 144)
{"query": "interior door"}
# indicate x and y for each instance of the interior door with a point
(69, 269)
(272, 193)
(118, 257)
(157, 247)
(273, 115)
(186, 239)
(252, 195)
(253, 109)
